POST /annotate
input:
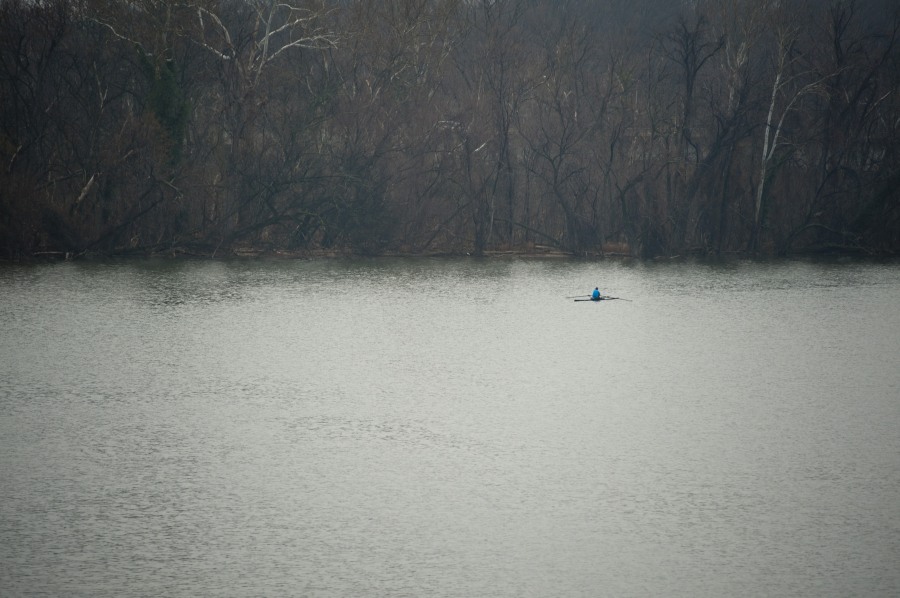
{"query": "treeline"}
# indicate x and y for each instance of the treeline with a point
(647, 127)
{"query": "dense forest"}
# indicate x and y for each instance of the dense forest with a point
(640, 127)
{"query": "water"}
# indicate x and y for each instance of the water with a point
(449, 428)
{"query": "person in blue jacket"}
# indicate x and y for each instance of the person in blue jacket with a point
(595, 296)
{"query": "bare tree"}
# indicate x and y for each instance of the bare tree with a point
(649, 127)
(792, 82)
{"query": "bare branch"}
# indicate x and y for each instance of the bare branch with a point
(222, 29)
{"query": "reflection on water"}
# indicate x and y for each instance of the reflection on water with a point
(449, 428)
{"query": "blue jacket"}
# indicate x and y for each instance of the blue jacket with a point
(595, 295)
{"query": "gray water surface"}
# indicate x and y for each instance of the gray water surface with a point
(418, 427)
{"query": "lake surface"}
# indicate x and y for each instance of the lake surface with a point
(457, 427)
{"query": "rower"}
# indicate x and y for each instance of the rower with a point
(595, 296)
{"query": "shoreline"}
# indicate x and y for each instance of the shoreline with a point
(537, 253)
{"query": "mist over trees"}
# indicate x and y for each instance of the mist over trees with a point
(644, 127)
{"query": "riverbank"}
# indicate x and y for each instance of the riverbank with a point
(612, 250)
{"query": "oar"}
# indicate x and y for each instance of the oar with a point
(603, 298)
(577, 296)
